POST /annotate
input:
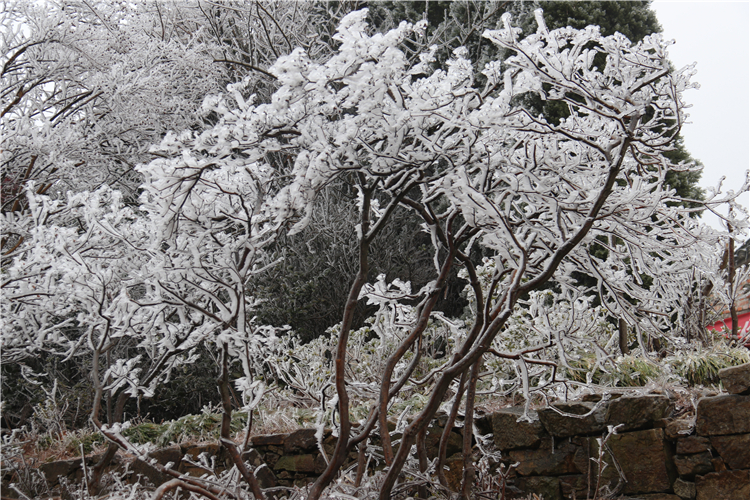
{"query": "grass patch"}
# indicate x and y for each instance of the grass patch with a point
(202, 427)
(702, 367)
(82, 438)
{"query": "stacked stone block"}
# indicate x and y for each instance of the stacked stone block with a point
(629, 446)
(561, 453)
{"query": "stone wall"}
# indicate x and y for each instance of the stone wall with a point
(565, 451)
(705, 456)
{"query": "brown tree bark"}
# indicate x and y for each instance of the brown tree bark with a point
(226, 423)
(342, 444)
(443, 446)
(98, 470)
(623, 340)
(472, 351)
(469, 468)
(730, 281)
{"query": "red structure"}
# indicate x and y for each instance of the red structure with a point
(742, 257)
(744, 324)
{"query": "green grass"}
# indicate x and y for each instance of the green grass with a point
(82, 437)
(702, 367)
(204, 426)
(630, 371)
(698, 367)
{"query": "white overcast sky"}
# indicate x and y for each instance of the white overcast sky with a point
(715, 35)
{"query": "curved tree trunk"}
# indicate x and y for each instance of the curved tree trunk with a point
(98, 471)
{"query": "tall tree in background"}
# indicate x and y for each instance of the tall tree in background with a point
(88, 90)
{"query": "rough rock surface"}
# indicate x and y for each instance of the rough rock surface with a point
(307, 463)
(734, 450)
(509, 434)
(684, 489)
(454, 474)
(679, 428)
(726, 485)
(194, 452)
(253, 457)
(656, 496)
(300, 441)
(736, 379)
(432, 442)
(637, 412)
(266, 477)
(172, 454)
(720, 415)
(719, 464)
(692, 444)
(53, 471)
(545, 486)
(642, 457)
(268, 440)
(574, 486)
(545, 461)
(568, 425)
(145, 470)
(690, 465)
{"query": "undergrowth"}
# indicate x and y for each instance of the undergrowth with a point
(692, 368)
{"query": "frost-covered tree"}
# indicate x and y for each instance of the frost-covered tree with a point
(137, 291)
(88, 88)
(69, 293)
(311, 305)
(480, 170)
(475, 167)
